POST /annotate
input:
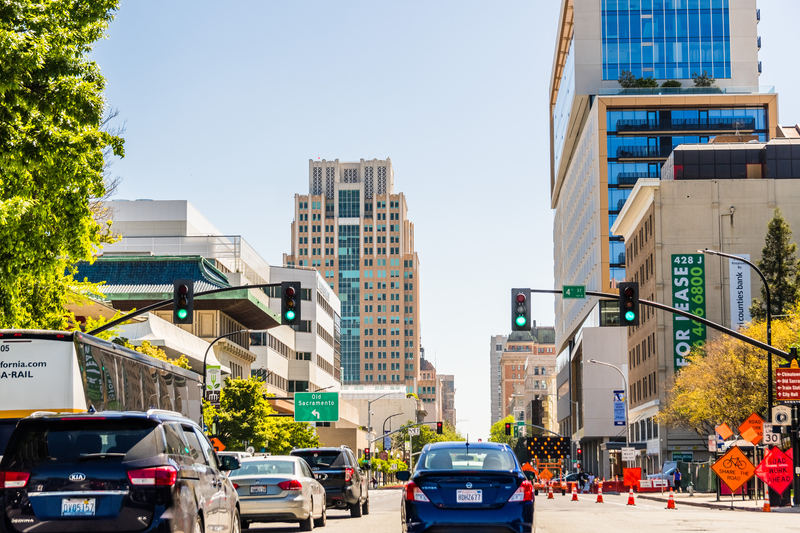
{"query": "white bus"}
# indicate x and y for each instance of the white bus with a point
(71, 372)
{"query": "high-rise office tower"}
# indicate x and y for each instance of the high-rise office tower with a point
(354, 229)
(496, 349)
(605, 136)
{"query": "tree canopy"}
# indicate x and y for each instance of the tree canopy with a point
(726, 379)
(426, 436)
(52, 146)
(780, 267)
(498, 431)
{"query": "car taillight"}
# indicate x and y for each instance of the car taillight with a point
(14, 480)
(348, 474)
(235, 486)
(414, 493)
(160, 476)
(524, 493)
(292, 484)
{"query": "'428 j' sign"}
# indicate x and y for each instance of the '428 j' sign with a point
(688, 294)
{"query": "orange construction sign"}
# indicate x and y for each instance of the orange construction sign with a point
(631, 476)
(217, 444)
(528, 468)
(756, 423)
(546, 474)
(734, 469)
(724, 431)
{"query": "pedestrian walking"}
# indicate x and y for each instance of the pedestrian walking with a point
(582, 479)
(677, 480)
(590, 482)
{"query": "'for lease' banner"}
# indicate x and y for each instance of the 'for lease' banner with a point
(688, 294)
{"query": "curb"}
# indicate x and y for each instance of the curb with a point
(708, 505)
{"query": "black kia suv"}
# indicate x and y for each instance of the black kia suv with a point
(346, 485)
(115, 471)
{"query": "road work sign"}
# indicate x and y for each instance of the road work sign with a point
(316, 406)
(734, 469)
(752, 429)
(776, 470)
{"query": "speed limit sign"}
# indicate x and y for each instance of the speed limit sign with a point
(770, 437)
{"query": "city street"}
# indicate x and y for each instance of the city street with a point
(564, 516)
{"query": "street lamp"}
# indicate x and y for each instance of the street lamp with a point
(769, 321)
(384, 425)
(369, 413)
(625, 385)
(205, 360)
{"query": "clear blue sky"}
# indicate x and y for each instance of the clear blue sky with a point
(225, 103)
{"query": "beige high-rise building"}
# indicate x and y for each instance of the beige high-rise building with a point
(354, 229)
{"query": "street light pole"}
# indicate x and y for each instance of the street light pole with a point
(369, 414)
(384, 426)
(624, 384)
(205, 360)
(769, 322)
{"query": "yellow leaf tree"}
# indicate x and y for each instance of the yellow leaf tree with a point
(726, 379)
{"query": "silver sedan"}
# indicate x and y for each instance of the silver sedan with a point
(279, 489)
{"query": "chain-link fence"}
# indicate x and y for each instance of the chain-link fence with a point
(699, 474)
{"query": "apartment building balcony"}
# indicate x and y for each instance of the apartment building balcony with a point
(683, 91)
(630, 178)
(643, 152)
(710, 125)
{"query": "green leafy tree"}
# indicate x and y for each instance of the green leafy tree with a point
(779, 265)
(498, 432)
(286, 434)
(672, 83)
(426, 436)
(648, 82)
(626, 79)
(703, 80)
(52, 144)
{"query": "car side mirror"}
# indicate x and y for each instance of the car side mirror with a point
(403, 475)
(228, 463)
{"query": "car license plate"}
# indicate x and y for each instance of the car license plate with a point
(469, 496)
(258, 489)
(77, 507)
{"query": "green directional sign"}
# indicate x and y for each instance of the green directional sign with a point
(316, 406)
(573, 291)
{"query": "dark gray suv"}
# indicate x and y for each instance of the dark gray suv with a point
(115, 471)
(346, 485)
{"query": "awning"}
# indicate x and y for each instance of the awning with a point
(173, 340)
(616, 446)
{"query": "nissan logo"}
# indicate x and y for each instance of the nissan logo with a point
(77, 476)
(469, 485)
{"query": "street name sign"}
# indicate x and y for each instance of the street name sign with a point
(573, 291)
(316, 406)
(776, 470)
(413, 432)
(628, 454)
(734, 469)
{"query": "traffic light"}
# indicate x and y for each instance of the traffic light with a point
(520, 309)
(438, 428)
(183, 301)
(290, 303)
(366, 454)
(508, 428)
(628, 304)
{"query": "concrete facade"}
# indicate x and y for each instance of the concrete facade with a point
(497, 346)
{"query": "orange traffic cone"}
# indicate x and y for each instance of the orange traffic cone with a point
(671, 502)
(574, 493)
(630, 497)
(550, 493)
(766, 506)
(600, 493)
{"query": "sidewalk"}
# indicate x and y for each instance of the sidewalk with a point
(710, 501)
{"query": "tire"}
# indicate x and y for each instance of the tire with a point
(236, 523)
(308, 523)
(198, 525)
(356, 510)
(536, 492)
(365, 507)
(322, 520)
(245, 525)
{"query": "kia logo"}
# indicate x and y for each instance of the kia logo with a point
(77, 476)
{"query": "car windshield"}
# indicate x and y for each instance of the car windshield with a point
(264, 467)
(461, 458)
(321, 459)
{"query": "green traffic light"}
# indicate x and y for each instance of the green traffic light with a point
(521, 321)
(290, 315)
(182, 313)
(630, 316)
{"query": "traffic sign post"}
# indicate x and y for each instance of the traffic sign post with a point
(734, 469)
(316, 406)
(628, 454)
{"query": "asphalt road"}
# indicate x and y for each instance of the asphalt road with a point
(383, 517)
(584, 516)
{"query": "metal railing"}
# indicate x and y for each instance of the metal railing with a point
(683, 91)
(630, 178)
(691, 124)
(643, 152)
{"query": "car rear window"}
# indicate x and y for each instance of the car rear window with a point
(74, 441)
(322, 459)
(264, 467)
(5, 433)
(461, 458)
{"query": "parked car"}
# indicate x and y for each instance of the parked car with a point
(467, 486)
(669, 475)
(115, 471)
(238, 455)
(344, 481)
(279, 488)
